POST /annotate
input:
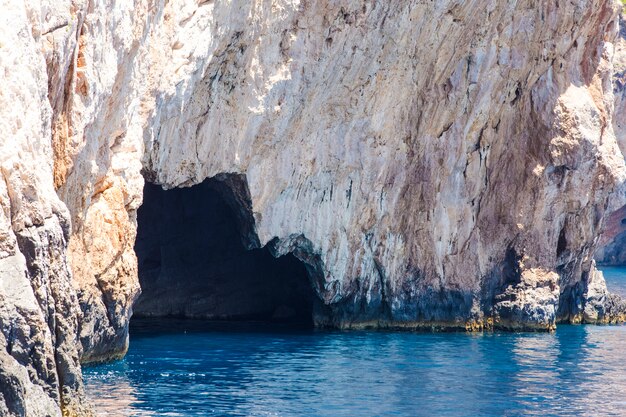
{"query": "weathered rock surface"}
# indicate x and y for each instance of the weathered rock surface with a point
(612, 244)
(423, 188)
(602, 306)
(619, 86)
(39, 312)
(433, 164)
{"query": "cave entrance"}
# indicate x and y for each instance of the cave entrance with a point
(199, 257)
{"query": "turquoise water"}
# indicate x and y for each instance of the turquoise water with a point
(195, 369)
(615, 277)
(192, 368)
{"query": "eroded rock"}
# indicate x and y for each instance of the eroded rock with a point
(433, 164)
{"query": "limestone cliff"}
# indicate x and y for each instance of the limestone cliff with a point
(39, 311)
(433, 164)
(425, 160)
(612, 244)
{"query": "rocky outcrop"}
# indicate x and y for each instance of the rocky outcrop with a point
(612, 244)
(39, 312)
(433, 164)
(423, 189)
(97, 167)
(601, 306)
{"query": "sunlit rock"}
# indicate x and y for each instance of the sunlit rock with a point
(430, 164)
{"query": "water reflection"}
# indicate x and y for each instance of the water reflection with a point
(596, 370)
(537, 375)
(113, 391)
(579, 370)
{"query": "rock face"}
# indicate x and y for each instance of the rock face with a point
(619, 86)
(432, 164)
(39, 311)
(421, 188)
(612, 245)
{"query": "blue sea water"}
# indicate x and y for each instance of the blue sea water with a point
(615, 277)
(193, 368)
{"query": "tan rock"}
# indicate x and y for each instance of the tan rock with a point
(435, 164)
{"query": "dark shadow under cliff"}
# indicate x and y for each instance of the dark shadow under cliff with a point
(194, 259)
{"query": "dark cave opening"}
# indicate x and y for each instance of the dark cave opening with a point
(199, 257)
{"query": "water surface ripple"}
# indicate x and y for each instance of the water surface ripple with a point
(192, 368)
(198, 369)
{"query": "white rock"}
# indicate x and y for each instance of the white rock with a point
(446, 163)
